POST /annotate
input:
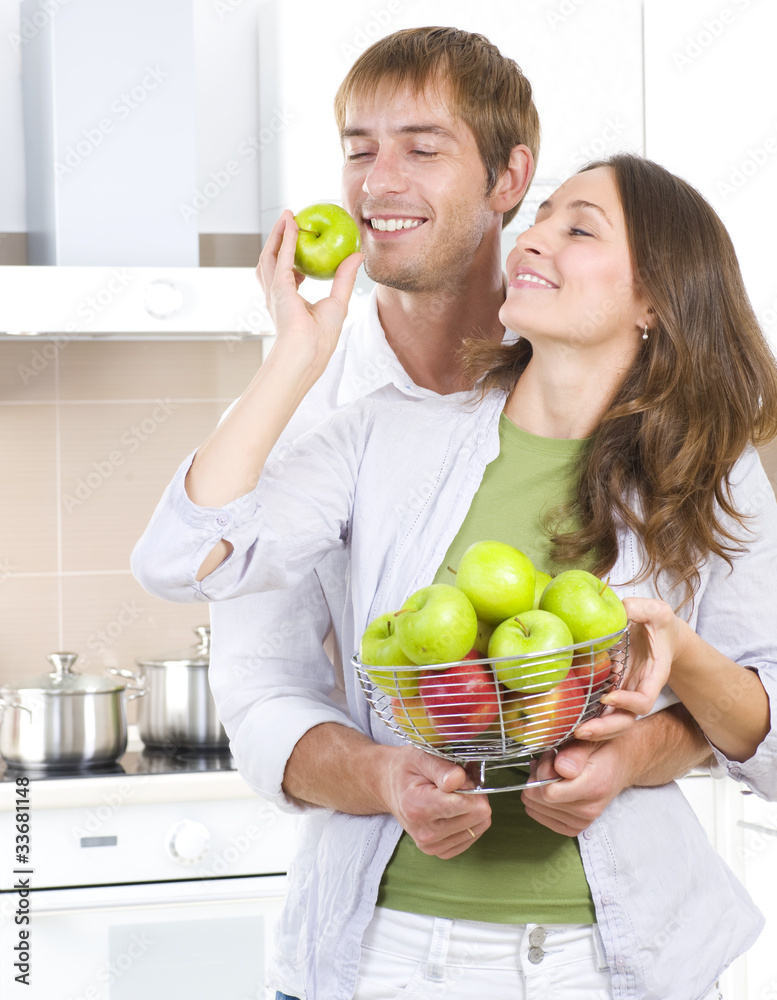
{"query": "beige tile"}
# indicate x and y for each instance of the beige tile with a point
(30, 621)
(28, 527)
(117, 458)
(178, 369)
(112, 622)
(28, 370)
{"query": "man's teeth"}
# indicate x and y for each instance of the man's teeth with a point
(533, 278)
(390, 225)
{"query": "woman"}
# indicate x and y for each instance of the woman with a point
(642, 374)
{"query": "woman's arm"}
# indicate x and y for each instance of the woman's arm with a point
(230, 461)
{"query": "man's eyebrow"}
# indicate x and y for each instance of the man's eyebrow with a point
(579, 203)
(418, 128)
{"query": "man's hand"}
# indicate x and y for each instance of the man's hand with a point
(654, 751)
(421, 793)
(341, 768)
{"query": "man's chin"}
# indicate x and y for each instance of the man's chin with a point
(403, 279)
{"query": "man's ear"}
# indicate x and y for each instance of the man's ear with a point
(512, 185)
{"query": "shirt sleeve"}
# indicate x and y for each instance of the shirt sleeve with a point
(737, 615)
(272, 679)
(299, 511)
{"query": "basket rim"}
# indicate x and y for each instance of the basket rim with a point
(537, 658)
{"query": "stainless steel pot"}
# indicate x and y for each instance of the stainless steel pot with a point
(63, 718)
(179, 710)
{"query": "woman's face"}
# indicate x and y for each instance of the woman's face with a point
(570, 275)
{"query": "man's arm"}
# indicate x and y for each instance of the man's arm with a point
(343, 769)
(654, 751)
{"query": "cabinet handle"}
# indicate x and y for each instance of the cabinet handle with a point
(757, 826)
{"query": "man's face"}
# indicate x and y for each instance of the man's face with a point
(414, 181)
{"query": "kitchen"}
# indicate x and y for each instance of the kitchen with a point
(136, 361)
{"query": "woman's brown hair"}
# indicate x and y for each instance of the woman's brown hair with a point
(702, 388)
(486, 90)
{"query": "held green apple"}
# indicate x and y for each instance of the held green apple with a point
(379, 647)
(436, 624)
(327, 235)
(530, 635)
(498, 579)
(587, 605)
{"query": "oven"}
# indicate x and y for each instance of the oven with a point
(158, 878)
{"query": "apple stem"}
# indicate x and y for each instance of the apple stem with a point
(311, 231)
(522, 627)
(404, 611)
(606, 585)
(452, 570)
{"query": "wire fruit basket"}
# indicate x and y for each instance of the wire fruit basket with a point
(492, 713)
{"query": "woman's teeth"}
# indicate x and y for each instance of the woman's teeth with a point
(535, 279)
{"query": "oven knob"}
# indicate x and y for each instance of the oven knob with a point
(188, 842)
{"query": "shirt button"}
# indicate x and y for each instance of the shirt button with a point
(620, 961)
(537, 936)
(587, 834)
(736, 773)
(606, 900)
(222, 519)
(536, 955)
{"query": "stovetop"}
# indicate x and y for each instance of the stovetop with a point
(175, 760)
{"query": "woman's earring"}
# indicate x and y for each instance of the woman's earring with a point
(645, 334)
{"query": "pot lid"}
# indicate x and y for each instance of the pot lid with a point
(63, 680)
(195, 656)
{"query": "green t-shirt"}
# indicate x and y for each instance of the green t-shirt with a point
(518, 871)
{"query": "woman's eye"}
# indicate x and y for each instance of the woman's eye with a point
(574, 231)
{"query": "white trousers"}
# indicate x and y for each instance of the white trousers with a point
(415, 957)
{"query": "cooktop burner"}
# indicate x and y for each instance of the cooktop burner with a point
(173, 760)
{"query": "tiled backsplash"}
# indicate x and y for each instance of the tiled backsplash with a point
(90, 434)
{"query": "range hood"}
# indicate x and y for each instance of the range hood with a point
(109, 122)
(110, 153)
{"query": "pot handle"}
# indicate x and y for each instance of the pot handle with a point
(128, 675)
(13, 704)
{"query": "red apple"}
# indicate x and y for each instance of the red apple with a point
(461, 701)
(592, 668)
(543, 719)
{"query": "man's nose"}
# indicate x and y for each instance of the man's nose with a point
(386, 175)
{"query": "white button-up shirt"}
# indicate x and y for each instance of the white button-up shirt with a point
(386, 483)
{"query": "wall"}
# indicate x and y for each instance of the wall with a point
(90, 434)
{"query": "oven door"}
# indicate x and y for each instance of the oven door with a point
(189, 940)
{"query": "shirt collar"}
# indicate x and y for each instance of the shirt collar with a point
(369, 363)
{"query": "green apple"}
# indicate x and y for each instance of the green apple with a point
(436, 624)
(483, 637)
(529, 636)
(379, 647)
(498, 579)
(543, 579)
(327, 235)
(587, 605)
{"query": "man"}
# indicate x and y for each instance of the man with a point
(439, 136)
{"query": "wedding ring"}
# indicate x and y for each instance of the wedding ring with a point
(471, 834)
